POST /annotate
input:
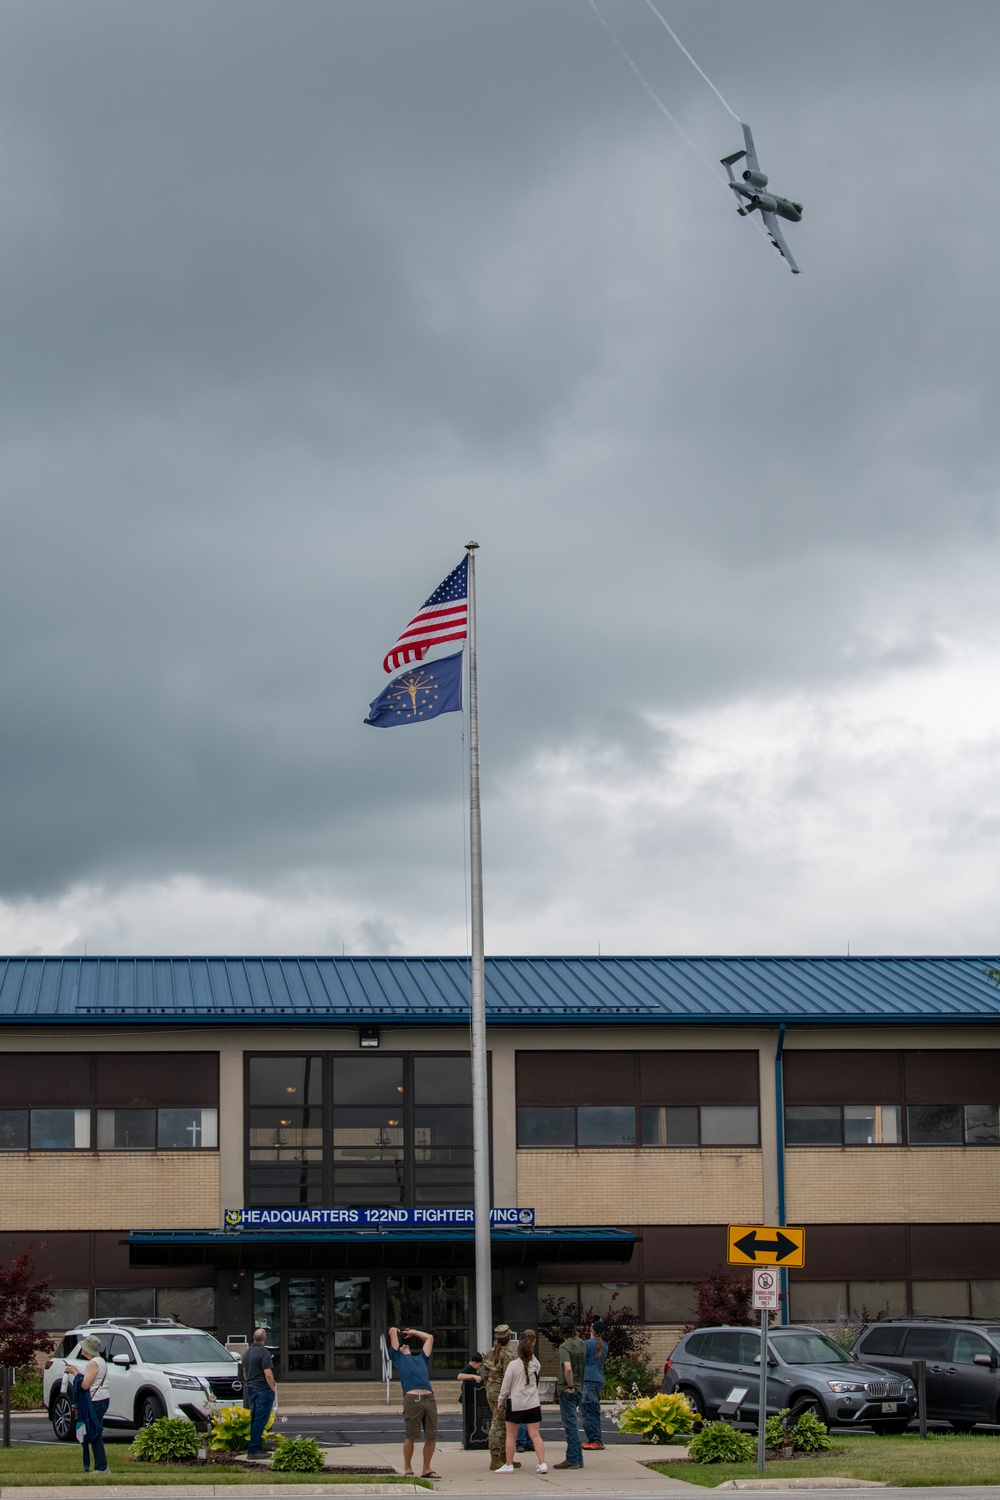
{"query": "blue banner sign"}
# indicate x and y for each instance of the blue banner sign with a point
(372, 1218)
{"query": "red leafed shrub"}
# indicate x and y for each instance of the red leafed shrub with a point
(21, 1298)
(724, 1298)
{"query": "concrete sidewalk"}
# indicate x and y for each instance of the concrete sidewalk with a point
(617, 1470)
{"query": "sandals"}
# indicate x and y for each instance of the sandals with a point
(430, 1475)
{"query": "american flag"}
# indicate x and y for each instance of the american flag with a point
(442, 617)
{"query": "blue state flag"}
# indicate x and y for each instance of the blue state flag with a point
(419, 693)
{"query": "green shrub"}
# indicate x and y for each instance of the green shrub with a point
(810, 1435)
(807, 1435)
(718, 1443)
(26, 1392)
(165, 1441)
(298, 1455)
(659, 1419)
(624, 1373)
(776, 1433)
(231, 1429)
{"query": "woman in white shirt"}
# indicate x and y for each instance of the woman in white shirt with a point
(519, 1401)
(95, 1383)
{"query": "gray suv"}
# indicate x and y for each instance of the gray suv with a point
(806, 1372)
(962, 1356)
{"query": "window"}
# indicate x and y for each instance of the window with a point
(982, 1125)
(187, 1129)
(60, 1129)
(141, 1100)
(359, 1130)
(670, 1125)
(940, 1299)
(881, 1341)
(606, 1125)
(728, 1125)
(626, 1099)
(810, 1349)
(13, 1130)
(614, 1125)
(843, 1125)
(704, 1125)
(126, 1129)
(968, 1345)
(145, 1129)
(541, 1125)
(934, 1124)
(926, 1343)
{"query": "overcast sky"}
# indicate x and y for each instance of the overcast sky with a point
(300, 296)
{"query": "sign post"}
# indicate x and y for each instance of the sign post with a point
(760, 1246)
(765, 1298)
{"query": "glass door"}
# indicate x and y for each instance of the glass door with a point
(306, 1327)
(352, 1326)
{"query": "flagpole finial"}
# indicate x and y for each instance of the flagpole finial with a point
(470, 546)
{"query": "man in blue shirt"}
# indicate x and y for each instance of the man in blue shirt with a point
(593, 1384)
(410, 1350)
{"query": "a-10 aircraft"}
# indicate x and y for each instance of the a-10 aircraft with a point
(751, 190)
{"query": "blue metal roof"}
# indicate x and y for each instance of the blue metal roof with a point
(519, 991)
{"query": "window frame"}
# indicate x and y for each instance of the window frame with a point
(319, 1186)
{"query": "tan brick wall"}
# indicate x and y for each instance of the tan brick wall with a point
(110, 1190)
(641, 1187)
(909, 1184)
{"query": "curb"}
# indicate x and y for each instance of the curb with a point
(831, 1482)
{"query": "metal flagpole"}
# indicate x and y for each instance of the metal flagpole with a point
(480, 1081)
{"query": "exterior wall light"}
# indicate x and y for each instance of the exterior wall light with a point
(368, 1036)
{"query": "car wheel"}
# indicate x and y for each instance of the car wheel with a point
(888, 1429)
(151, 1409)
(63, 1419)
(694, 1399)
(803, 1404)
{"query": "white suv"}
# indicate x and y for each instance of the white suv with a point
(156, 1368)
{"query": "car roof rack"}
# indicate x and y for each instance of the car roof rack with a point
(132, 1323)
(934, 1318)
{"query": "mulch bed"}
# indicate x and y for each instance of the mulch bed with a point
(255, 1468)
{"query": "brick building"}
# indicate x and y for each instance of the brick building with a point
(231, 1140)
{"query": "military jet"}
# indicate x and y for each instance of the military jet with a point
(751, 190)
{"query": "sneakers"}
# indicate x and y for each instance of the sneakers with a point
(542, 1469)
(591, 1445)
(505, 1469)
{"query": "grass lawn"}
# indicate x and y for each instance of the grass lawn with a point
(51, 1465)
(941, 1458)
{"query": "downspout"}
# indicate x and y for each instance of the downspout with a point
(779, 1136)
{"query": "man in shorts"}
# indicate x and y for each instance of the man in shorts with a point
(410, 1349)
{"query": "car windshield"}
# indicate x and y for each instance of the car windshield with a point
(811, 1349)
(181, 1349)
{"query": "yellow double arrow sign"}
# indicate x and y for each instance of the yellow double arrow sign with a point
(766, 1245)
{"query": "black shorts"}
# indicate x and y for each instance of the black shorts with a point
(529, 1417)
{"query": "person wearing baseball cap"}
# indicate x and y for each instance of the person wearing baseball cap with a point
(495, 1365)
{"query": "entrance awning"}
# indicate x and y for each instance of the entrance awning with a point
(388, 1246)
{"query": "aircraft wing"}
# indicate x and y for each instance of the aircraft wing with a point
(778, 239)
(751, 150)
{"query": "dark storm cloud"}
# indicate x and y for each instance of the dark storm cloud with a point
(300, 297)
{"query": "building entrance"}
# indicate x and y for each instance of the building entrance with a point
(325, 1325)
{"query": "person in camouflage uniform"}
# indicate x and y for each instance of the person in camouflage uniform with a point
(494, 1367)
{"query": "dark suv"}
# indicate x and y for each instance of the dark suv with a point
(962, 1357)
(807, 1371)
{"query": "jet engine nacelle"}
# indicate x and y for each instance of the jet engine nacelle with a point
(755, 179)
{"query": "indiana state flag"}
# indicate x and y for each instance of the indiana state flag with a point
(419, 693)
